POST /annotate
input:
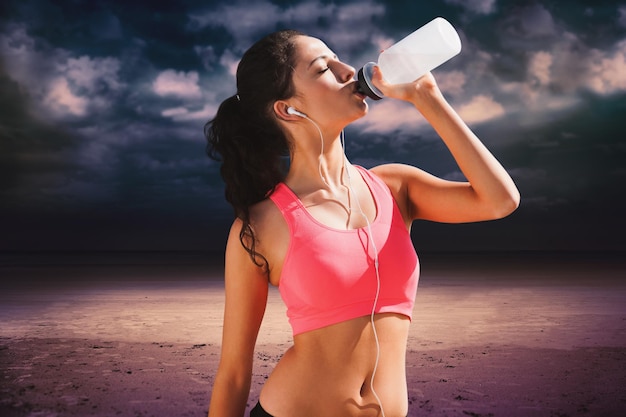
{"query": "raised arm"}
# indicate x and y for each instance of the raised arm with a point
(489, 192)
(246, 298)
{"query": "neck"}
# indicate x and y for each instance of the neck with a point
(314, 168)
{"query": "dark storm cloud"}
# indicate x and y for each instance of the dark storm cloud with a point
(102, 106)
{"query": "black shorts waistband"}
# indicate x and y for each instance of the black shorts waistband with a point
(258, 411)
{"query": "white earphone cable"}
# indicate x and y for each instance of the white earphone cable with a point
(319, 167)
(370, 238)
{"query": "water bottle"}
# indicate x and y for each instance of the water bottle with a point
(415, 55)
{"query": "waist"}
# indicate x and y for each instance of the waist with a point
(328, 371)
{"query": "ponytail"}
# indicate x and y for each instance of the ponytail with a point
(245, 136)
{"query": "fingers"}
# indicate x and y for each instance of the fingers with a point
(398, 91)
(379, 82)
(404, 91)
(378, 79)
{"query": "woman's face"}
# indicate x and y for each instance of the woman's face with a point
(325, 87)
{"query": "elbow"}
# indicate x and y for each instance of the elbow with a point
(499, 202)
(507, 205)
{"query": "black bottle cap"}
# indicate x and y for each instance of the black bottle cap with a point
(366, 87)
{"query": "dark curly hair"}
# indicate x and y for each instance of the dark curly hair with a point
(245, 136)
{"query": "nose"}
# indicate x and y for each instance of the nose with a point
(345, 73)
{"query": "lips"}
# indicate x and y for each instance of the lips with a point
(357, 90)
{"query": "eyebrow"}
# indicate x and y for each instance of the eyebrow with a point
(321, 57)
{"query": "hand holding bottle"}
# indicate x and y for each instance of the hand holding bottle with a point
(415, 55)
(414, 92)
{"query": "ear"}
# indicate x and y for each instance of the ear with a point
(280, 110)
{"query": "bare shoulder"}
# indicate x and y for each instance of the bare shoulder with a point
(397, 177)
(272, 235)
(264, 216)
(396, 174)
(266, 219)
(264, 213)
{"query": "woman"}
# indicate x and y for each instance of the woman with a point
(332, 236)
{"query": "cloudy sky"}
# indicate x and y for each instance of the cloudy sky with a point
(102, 106)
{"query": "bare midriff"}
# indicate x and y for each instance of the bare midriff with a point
(327, 372)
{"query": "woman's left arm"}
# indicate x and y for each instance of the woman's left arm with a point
(489, 192)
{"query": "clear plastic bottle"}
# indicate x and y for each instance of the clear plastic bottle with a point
(415, 55)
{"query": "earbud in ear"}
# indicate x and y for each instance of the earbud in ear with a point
(291, 110)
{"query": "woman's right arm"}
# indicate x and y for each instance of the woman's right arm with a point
(246, 288)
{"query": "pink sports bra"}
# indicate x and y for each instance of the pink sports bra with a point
(329, 275)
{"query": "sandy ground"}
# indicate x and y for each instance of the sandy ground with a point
(514, 338)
